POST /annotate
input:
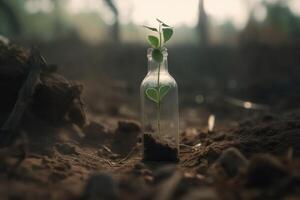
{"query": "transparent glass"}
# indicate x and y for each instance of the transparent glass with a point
(159, 112)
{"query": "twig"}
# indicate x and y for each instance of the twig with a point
(36, 65)
(129, 154)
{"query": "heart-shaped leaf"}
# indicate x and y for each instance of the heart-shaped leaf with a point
(157, 95)
(153, 41)
(167, 33)
(163, 91)
(152, 94)
(157, 55)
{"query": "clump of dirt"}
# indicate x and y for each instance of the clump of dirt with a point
(13, 70)
(274, 136)
(156, 151)
(264, 177)
(56, 100)
(125, 137)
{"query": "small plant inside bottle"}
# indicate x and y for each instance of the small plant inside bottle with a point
(159, 144)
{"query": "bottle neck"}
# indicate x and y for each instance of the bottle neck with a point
(154, 67)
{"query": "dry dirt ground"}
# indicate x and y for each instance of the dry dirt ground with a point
(66, 150)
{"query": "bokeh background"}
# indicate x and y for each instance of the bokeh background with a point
(228, 57)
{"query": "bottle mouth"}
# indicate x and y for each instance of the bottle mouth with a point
(164, 51)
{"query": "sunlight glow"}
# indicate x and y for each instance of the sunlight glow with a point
(211, 123)
(295, 6)
(234, 10)
(247, 105)
(175, 12)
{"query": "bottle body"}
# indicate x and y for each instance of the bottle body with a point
(159, 112)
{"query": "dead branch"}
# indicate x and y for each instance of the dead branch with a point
(36, 65)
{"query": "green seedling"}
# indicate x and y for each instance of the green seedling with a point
(157, 42)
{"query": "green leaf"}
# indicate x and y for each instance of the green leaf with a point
(152, 94)
(167, 33)
(157, 55)
(162, 23)
(153, 41)
(151, 28)
(163, 91)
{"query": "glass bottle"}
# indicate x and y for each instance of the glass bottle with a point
(159, 110)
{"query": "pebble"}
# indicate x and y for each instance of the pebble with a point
(265, 170)
(101, 186)
(128, 126)
(66, 148)
(95, 131)
(164, 172)
(232, 161)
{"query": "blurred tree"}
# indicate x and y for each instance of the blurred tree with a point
(280, 19)
(279, 26)
(202, 26)
(11, 16)
(115, 32)
(58, 24)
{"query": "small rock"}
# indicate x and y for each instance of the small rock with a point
(125, 137)
(128, 126)
(66, 149)
(139, 166)
(189, 136)
(207, 141)
(232, 161)
(265, 170)
(203, 166)
(148, 179)
(202, 135)
(218, 136)
(146, 172)
(212, 154)
(101, 187)
(95, 131)
(77, 113)
(164, 172)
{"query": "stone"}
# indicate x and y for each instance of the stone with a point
(232, 161)
(264, 171)
(66, 148)
(128, 126)
(101, 186)
(164, 172)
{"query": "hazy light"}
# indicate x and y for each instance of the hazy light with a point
(199, 98)
(175, 12)
(294, 5)
(86, 6)
(211, 123)
(247, 105)
(260, 12)
(234, 10)
(39, 6)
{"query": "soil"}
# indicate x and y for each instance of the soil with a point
(156, 151)
(93, 151)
